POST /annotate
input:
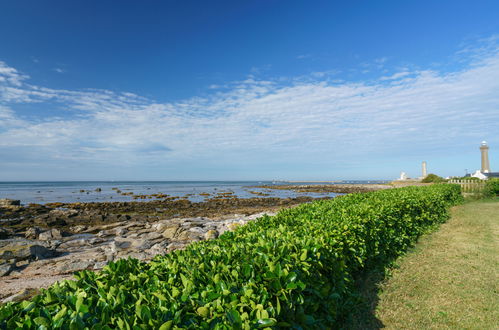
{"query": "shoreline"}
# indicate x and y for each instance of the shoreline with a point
(41, 244)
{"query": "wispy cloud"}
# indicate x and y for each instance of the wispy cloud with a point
(59, 70)
(303, 56)
(258, 121)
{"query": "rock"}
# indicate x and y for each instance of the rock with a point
(50, 235)
(176, 246)
(54, 244)
(5, 269)
(125, 217)
(151, 236)
(211, 234)
(160, 226)
(78, 229)
(22, 295)
(98, 189)
(10, 203)
(186, 235)
(158, 248)
(80, 241)
(120, 245)
(25, 250)
(32, 233)
(170, 232)
(6, 233)
(233, 226)
(141, 245)
(76, 266)
(56, 222)
(63, 213)
(100, 265)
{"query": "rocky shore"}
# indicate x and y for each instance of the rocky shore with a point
(41, 244)
(329, 188)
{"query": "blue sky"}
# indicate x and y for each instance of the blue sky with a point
(243, 90)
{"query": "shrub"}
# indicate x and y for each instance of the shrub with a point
(295, 269)
(492, 187)
(433, 178)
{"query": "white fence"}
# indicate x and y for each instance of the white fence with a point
(470, 186)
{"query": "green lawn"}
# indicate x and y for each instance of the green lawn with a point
(450, 280)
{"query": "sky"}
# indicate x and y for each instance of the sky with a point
(246, 90)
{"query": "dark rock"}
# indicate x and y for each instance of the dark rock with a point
(5, 269)
(98, 189)
(56, 222)
(22, 250)
(32, 232)
(6, 233)
(8, 203)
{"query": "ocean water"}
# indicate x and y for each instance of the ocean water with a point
(85, 191)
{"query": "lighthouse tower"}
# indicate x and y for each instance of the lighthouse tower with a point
(484, 149)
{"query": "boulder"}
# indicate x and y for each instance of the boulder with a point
(5, 269)
(211, 234)
(186, 235)
(56, 222)
(50, 235)
(10, 203)
(75, 266)
(151, 236)
(170, 232)
(77, 229)
(5, 233)
(32, 232)
(63, 213)
(25, 250)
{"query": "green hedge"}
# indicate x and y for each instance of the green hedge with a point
(294, 269)
(492, 187)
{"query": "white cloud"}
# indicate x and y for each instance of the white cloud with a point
(303, 56)
(263, 120)
(10, 75)
(396, 76)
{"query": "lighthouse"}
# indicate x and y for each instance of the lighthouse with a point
(484, 149)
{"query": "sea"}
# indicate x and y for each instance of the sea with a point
(113, 191)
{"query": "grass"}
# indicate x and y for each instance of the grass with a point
(449, 280)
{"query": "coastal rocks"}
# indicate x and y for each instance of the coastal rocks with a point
(54, 254)
(5, 269)
(32, 233)
(10, 203)
(25, 250)
(50, 235)
(75, 266)
(6, 233)
(78, 229)
(171, 231)
(63, 213)
(211, 234)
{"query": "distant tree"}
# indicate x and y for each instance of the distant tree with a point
(433, 178)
